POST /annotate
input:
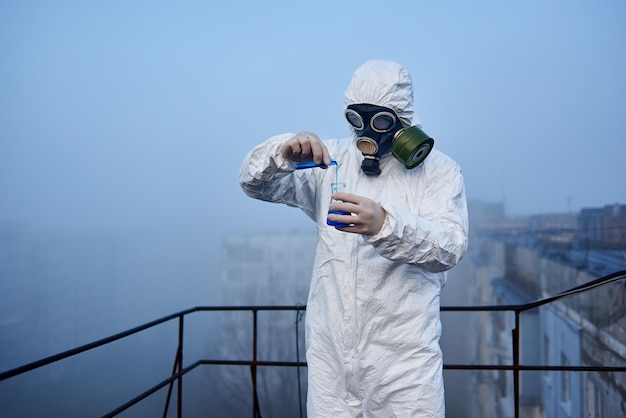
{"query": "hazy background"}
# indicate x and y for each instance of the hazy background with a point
(118, 114)
(130, 119)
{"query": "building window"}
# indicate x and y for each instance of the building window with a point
(594, 397)
(565, 380)
(598, 409)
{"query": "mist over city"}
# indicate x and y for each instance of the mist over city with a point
(124, 125)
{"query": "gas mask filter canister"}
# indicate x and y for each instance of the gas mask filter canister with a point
(380, 131)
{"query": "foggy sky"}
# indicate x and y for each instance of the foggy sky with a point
(120, 114)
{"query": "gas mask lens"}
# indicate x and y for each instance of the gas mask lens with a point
(354, 119)
(381, 122)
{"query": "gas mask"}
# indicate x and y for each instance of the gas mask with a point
(379, 131)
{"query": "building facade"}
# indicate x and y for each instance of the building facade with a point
(525, 263)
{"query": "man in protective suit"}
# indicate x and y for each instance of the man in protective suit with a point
(372, 323)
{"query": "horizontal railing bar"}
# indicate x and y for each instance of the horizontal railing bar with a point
(614, 277)
(610, 278)
(254, 363)
(303, 308)
(533, 368)
(69, 353)
(252, 308)
(152, 390)
(482, 308)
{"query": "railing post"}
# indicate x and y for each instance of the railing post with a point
(181, 325)
(516, 350)
(253, 369)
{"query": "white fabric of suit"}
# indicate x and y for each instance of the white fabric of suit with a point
(372, 321)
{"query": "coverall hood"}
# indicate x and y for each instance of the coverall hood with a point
(383, 83)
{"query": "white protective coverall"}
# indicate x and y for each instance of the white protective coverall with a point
(372, 322)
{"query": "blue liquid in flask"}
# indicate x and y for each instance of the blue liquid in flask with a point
(335, 188)
(333, 223)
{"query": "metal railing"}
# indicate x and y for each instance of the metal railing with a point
(179, 371)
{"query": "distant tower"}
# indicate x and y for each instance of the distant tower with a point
(569, 204)
(504, 189)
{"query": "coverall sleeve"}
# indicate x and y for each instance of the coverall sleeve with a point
(266, 175)
(435, 239)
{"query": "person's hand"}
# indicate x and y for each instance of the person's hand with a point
(368, 216)
(306, 146)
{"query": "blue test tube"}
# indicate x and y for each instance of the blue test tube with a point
(311, 164)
